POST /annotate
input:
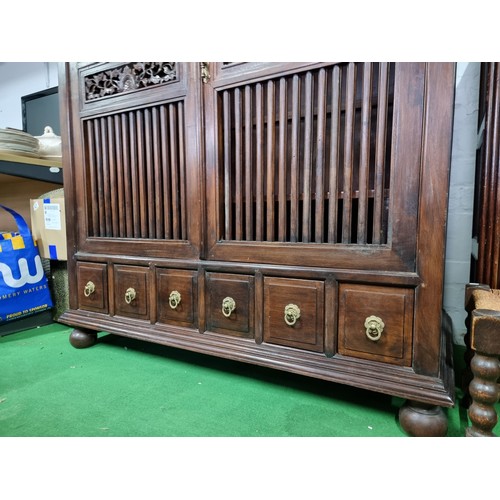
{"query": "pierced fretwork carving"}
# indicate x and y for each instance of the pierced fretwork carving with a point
(129, 77)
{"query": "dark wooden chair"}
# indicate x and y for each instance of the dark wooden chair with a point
(480, 383)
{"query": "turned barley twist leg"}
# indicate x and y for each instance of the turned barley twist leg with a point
(484, 391)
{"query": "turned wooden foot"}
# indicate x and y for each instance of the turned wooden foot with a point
(81, 338)
(423, 420)
(484, 392)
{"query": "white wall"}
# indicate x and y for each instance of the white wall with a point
(461, 196)
(18, 79)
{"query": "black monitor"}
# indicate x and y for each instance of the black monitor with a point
(39, 110)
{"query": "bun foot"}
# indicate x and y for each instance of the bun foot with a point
(82, 338)
(423, 420)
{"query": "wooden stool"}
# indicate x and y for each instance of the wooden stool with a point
(483, 343)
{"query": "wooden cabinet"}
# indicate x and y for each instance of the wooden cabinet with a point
(291, 215)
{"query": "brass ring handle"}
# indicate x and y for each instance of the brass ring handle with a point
(174, 299)
(292, 314)
(374, 327)
(130, 295)
(89, 289)
(228, 306)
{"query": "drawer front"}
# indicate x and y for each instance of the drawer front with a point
(375, 322)
(131, 291)
(230, 304)
(294, 313)
(92, 282)
(177, 297)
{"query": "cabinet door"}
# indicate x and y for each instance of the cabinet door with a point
(131, 291)
(92, 286)
(135, 157)
(315, 164)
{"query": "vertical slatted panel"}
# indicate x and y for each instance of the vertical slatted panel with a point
(248, 164)
(320, 157)
(271, 145)
(308, 124)
(364, 163)
(238, 133)
(348, 153)
(282, 195)
(298, 152)
(259, 175)
(334, 154)
(295, 156)
(380, 152)
(136, 170)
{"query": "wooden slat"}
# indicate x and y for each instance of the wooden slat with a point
(308, 124)
(380, 153)
(120, 187)
(165, 169)
(294, 166)
(150, 180)
(248, 164)
(172, 114)
(127, 175)
(348, 153)
(238, 153)
(113, 186)
(136, 217)
(364, 161)
(105, 186)
(101, 231)
(259, 163)
(158, 187)
(334, 154)
(320, 157)
(141, 171)
(283, 128)
(271, 145)
(94, 206)
(227, 165)
(182, 172)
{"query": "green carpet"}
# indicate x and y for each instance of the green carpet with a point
(121, 387)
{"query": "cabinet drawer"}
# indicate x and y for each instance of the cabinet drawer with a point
(92, 283)
(388, 336)
(177, 296)
(131, 291)
(294, 313)
(230, 304)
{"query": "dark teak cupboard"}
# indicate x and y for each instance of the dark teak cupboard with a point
(290, 215)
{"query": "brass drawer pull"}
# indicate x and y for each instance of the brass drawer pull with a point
(292, 314)
(228, 306)
(130, 295)
(174, 299)
(89, 289)
(374, 327)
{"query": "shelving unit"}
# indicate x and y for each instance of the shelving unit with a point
(47, 170)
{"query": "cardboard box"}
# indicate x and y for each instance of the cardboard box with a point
(48, 226)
